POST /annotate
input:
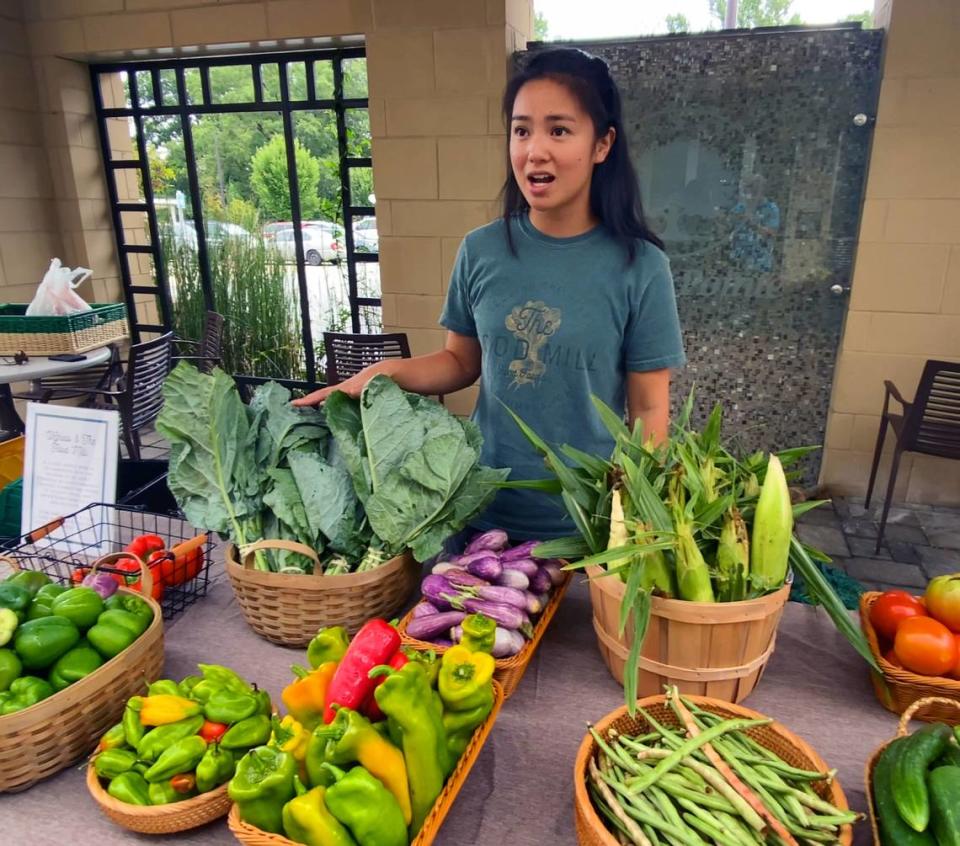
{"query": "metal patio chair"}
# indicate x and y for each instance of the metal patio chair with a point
(206, 352)
(348, 354)
(929, 425)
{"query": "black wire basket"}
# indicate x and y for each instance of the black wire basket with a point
(66, 547)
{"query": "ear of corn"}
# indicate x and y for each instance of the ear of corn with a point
(657, 575)
(693, 575)
(733, 558)
(772, 530)
(618, 533)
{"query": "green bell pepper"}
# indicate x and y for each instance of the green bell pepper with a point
(31, 580)
(329, 644)
(74, 665)
(10, 668)
(479, 633)
(228, 706)
(124, 620)
(80, 605)
(162, 793)
(307, 820)
(186, 686)
(42, 602)
(8, 625)
(224, 677)
(319, 748)
(264, 704)
(366, 807)
(16, 598)
(39, 643)
(182, 756)
(134, 604)
(111, 762)
(252, 731)
(110, 639)
(163, 686)
(130, 787)
(156, 740)
(114, 738)
(24, 692)
(133, 729)
(216, 767)
(262, 785)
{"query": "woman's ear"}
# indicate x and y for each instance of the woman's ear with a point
(603, 146)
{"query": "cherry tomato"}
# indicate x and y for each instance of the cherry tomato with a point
(943, 600)
(926, 647)
(211, 731)
(891, 608)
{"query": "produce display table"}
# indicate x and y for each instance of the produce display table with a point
(520, 791)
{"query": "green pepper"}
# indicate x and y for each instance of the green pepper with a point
(165, 686)
(366, 807)
(24, 692)
(40, 642)
(40, 607)
(134, 604)
(264, 704)
(180, 757)
(228, 706)
(252, 731)
(16, 598)
(130, 787)
(80, 605)
(31, 580)
(186, 686)
(479, 633)
(415, 716)
(262, 785)
(74, 665)
(329, 644)
(224, 677)
(319, 748)
(156, 740)
(307, 820)
(428, 658)
(109, 639)
(162, 793)
(124, 620)
(111, 762)
(114, 738)
(8, 625)
(216, 767)
(10, 668)
(466, 690)
(133, 729)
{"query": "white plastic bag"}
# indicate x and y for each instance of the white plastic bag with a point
(56, 295)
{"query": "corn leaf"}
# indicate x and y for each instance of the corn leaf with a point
(803, 507)
(608, 555)
(641, 621)
(632, 586)
(572, 547)
(613, 421)
(582, 521)
(596, 467)
(551, 486)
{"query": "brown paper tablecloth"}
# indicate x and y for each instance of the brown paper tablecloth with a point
(520, 790)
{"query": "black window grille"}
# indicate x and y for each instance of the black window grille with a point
(170, 98)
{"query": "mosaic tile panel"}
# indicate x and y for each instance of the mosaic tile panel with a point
(752, 170)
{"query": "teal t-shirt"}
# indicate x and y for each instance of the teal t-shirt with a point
(562, 319)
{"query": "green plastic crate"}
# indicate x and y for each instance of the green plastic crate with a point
(11, 501)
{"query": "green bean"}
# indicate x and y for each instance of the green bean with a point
(786, 770)
(677, 787)
(710, 819)
(712, 832)
(612, 753)
(634, 831)
(744, 832)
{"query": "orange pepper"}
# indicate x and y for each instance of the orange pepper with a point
(305, 696)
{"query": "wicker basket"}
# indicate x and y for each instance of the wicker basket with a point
(591, 831)
(898, 688)
(288, 609)
(431, 825)
(160, 819)
(715, 649)
(509, 671)
(104, 324)
(919, 710)
(44, 738)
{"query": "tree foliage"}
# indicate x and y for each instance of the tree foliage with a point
(754, 13)
(541, 27)
(269, 181)
(678, 23)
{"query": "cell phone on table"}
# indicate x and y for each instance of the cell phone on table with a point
(67, 357)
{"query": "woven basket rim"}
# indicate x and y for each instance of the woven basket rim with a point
(89, 683)
(170, 810)
(592, 820)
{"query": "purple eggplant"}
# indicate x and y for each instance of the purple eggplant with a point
(459, 578)
(508, 616)
(499, 593)
(524, 550)
(527, 566)
(467, 559)
(534, 603)
(424, 609)
(439, 591)
(507, 643)
(494, 539)
(456, 634)
(540, 582)
(427, 628)
(441, 568)
(443, 642)
(513, 578)
(555, 569)
(487, 568)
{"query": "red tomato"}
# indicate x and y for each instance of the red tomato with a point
(943, 600)
(891, 658)
(891, 608)
(926, 647)
(211, 731)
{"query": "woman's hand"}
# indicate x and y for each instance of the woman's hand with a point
(351, 387)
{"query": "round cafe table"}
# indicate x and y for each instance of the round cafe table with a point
(32, 370)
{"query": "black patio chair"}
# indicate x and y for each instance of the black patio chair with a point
(348, 354)
(929, 425)
(206, 352)
(75, 384)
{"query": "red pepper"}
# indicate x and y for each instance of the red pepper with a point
(375, 644)
(370, 707)
(144, 545)
(211, 731)
(184, 782)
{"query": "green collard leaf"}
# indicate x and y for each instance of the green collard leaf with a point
(346, 425)
(284, 500)
(281, 427)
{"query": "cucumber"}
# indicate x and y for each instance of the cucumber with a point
(893, 830)
(944, 785)
(910, 766)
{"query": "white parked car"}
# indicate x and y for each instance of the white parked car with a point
(365, 238)
(319, 245)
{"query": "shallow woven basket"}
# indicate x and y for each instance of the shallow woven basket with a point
(919, 710)
(60, 730)
(898, 688)
(105, 323)
(509, 671)
(288, 609)
(591, 830)
(160, 819)
(431, 825)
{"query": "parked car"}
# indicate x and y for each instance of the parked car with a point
(365, 238)
(318, 245)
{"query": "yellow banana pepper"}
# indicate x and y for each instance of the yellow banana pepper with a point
(166, 708)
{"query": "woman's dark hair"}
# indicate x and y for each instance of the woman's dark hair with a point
(614, 190)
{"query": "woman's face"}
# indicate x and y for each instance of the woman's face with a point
(553, 149)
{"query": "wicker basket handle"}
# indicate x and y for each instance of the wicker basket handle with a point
(146, 577)
(922, 703)
(247, 551)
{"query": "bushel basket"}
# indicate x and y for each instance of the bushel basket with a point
(251, 836)
(288, 609)
(58, 731)
(104, 324)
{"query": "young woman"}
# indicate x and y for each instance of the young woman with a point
(568, 295)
